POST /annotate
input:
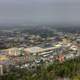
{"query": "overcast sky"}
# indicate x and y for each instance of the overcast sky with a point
(40, 11)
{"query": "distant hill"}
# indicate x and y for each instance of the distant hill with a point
(43, 28)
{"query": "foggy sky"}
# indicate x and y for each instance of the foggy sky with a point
(40, 11)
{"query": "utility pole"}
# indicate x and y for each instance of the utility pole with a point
(1, 69)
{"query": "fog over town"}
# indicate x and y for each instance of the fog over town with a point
(39, 12)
